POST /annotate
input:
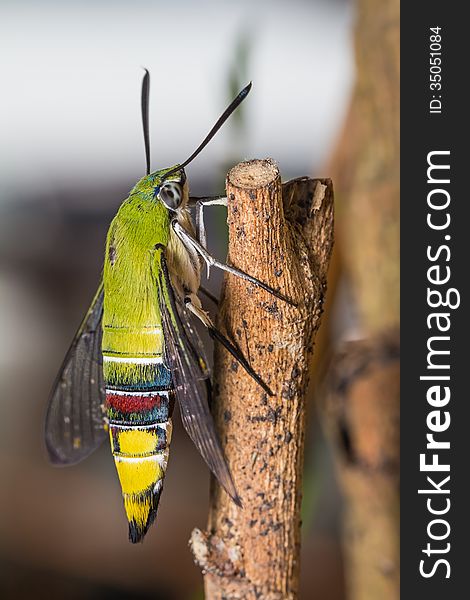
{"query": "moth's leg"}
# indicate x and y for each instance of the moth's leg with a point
(220, 200)
(210, 261)
(199, 204)
(193, 304)
(200, 227)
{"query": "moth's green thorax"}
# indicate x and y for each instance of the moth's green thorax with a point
(132, 267)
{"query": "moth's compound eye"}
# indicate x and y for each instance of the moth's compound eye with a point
(171, 194)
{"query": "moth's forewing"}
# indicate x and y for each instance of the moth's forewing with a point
(75, 423)
(191, 381)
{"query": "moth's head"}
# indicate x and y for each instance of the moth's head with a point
(170, 187)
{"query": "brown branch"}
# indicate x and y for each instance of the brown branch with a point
(366, 169)
(283, 236)
(362, 410)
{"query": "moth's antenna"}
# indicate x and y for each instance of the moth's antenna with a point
(145, 116)
(221, 120)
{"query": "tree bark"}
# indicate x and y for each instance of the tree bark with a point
(366, 169)
(362, 416)
(283, 235)
(362, 400)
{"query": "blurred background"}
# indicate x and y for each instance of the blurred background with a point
(71, 148)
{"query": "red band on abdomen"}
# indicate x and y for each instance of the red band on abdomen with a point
(134, 404)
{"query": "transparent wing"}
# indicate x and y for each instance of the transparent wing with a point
(191, 381)
(75, 419)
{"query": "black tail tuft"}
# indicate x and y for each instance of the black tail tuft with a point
(138, 531)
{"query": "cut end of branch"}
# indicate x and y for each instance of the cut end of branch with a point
(253, 174)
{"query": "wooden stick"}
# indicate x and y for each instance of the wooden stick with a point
(282, 235)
